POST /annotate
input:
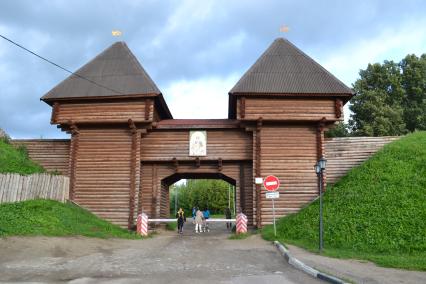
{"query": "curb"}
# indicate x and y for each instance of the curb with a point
(305, 268)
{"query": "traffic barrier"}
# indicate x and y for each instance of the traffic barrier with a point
(241, 224)
(142, 224)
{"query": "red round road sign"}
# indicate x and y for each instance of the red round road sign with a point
(271, 183)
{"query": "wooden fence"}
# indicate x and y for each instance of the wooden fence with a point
(345, 153)
(14, 187)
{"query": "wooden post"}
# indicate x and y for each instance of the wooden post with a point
(75, 134)
(320, 147)
(258, 172)
(242, 107)
(133, 170)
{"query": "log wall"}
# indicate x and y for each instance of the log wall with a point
(343, 154)
(102, 173)
(289, 109)
(103, 112)
(52, 154)
(164, 145)
(289, 153)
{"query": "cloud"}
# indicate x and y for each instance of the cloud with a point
(200, 98)
(192, 49)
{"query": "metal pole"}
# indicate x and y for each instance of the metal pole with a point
(273, 213)
(234, 199)
(320, 220)
(175, 191)
(229, 196)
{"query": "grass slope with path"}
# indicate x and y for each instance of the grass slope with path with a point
(52, 218)
(377, 212)
(15, 160)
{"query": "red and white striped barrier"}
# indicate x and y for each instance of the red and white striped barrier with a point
(142, 224)
(241, 223)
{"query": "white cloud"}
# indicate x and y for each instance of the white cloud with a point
(346, 62)
(200, 98)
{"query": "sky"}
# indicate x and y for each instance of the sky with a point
(195, 51)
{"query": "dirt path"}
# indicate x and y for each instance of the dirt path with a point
(166, 258)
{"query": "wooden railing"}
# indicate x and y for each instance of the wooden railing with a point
(14, 187)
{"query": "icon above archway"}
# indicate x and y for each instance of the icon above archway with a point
(197, 143)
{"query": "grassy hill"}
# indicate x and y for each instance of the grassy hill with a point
(376, 212)
(52, 218)
(15, 160)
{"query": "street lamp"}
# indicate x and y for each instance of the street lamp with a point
(319, 169)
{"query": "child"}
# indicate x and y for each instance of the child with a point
(198, 221)
(206, 216)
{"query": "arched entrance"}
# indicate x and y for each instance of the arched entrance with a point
(162, 175)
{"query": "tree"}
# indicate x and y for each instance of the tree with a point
(338, 130)
(378, 106)
(414, 83)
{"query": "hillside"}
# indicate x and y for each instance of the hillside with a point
(376, 212)
(15, 160)
(52, 218)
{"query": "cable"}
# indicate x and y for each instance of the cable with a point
(60, 67)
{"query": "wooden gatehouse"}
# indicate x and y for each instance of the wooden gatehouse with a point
(126, 149)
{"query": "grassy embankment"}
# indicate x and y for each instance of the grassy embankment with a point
(15, 160)
(52, 218)
(377, 212)
(46, 217)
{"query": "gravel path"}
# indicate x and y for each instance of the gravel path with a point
(165, 258)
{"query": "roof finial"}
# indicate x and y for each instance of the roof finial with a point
(284, 29)
(116, 33)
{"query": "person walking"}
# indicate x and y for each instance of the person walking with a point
(194, 210)
(198, 221)
(228, 216)
(206, 216)
(181, 219)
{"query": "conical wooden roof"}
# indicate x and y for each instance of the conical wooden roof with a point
(285, 69)
(116, 72)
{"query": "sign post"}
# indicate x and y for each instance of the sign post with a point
(271, 184)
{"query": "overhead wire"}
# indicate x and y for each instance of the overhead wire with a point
(59, 66)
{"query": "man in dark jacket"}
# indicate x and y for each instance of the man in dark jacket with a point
(228, 216)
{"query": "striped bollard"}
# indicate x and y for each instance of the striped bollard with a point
(142, 224)
(241, 223)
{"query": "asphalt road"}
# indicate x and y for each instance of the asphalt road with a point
(165, 258)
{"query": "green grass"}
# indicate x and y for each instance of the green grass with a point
(15, 160)
(52, 218)
(376, 212)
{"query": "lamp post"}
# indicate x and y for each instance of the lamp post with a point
(319, 169)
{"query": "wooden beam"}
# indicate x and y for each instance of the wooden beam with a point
(320, 146)
(242, 107)
(176, 164)
(75, 134)
(55, 110)
(148, 103)
(258, 150)
(220, 165)
(338, 108)
(133, 168)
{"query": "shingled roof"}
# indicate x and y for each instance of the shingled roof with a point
(285, 69)
(115, 72)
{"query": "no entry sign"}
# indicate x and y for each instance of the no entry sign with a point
(271, 183)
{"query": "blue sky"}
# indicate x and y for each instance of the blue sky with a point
(195, 51)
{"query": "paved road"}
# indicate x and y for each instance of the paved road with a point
(166, 258)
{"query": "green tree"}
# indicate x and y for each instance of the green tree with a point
(391, 98)
(377, 108)
(203, 193)
(338, 130)
(414, 83)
